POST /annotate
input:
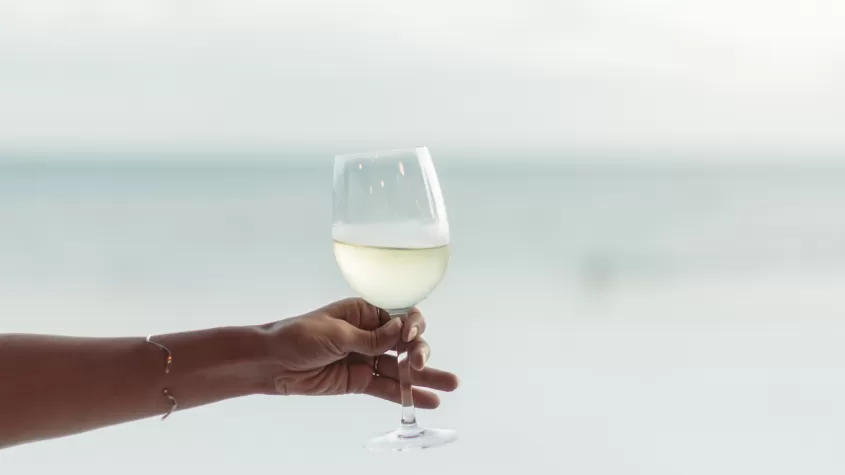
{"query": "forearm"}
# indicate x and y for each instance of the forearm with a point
(53, 386)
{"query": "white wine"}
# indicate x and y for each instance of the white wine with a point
(392, 278)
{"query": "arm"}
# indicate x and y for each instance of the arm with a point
(52, 386)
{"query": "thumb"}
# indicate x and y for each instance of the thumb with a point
(374, 342)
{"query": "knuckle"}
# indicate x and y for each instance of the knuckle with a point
(374, 340)
(281, 386)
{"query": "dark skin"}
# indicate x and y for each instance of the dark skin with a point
(56, 386)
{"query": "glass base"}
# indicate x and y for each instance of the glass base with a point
(422, 439)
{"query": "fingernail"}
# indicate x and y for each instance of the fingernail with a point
(412, 334)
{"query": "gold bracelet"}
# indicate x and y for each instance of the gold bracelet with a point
(173, 403)
(169, 363)
(166, 350)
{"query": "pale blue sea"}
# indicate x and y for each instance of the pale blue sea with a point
(604, 320)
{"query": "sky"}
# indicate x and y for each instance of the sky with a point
(638, 78)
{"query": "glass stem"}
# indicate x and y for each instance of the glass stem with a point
(409, 427)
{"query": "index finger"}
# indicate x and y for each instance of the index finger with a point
(357, 312)
(414, 325)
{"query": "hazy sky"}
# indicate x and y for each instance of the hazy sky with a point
(731, 76)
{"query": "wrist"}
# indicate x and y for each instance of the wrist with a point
(241, 359)
(226, 362)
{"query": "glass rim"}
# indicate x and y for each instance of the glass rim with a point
(376, 153)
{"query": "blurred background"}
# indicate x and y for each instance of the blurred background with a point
(647, 201)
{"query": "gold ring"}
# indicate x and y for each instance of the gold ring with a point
(375, 365)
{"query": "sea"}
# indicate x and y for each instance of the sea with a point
(603, 319)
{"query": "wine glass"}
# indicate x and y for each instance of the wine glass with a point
(391, 241)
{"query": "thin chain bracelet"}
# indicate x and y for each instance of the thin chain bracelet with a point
(166, 350)
(173, 403)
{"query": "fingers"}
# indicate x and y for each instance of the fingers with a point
(377, 332)
(414, 325)
(388, 389)
(428, 377)
(361, 314)
(419, 352)
(372, 343)
(357, 312)
(359, 378)
(383, 316)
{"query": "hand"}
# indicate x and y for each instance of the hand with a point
(333, 350)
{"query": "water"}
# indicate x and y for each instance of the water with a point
(603, 320)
